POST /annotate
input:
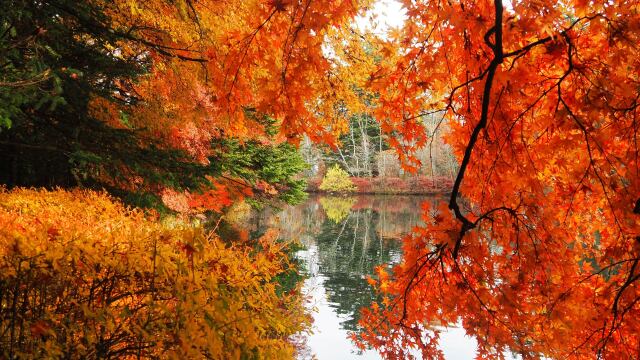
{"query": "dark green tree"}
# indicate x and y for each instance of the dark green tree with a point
(277, 165)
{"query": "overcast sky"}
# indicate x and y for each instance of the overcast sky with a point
(384, 14)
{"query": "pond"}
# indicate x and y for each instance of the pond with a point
(343, 239)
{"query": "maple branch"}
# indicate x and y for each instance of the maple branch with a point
(518, 54)
(526, 48)
(631, 278)
(498, 58)
(506, 137)
(592, 162)
(161, 49)
(565, 293)
(488, 214)
(412, 65)
(44, 76)
(249, 40)
(483, 305)
(466, 83)
(424, 113)
(573, 194)
(575, 349)
(294, 37)
(438, 252)
(196, 18)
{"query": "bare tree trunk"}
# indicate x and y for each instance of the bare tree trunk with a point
(365, 146)
(355, 153)
(384, 158)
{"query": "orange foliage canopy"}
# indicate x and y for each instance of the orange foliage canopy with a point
(215, 61)
(538, 249)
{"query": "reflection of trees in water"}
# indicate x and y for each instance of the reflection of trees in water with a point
(337, 208)
(300, 222)
(349, 249)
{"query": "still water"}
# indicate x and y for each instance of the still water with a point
(343, 240)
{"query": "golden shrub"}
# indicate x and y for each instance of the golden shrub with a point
(84, 277)
(337, 180)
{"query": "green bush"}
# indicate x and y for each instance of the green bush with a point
(337, 180)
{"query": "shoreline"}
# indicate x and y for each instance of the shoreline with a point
(357, 193)
(420, 185)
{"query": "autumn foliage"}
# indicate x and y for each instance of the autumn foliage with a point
(172, 103)
(537, 249)
(337, 180)
(85, 277)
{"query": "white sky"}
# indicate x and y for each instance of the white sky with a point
(383, 15)
(387, 14)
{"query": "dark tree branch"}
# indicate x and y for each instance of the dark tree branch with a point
(100, 28)
(498, 58)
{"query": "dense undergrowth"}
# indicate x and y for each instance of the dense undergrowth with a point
(83, 276)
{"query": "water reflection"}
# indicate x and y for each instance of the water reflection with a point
(344, 239)
(350, 249)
